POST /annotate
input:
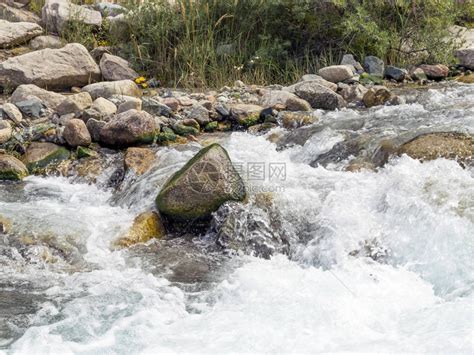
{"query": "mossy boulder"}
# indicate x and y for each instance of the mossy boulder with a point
(448, 145)
(199, 188)
(166, 136)
(83, 152)
(146, 226)
(211, 126)
(246, 114)
(184, 131)
(41, 154)
(11, 168)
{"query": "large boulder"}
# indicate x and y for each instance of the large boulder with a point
(50, 99)
(56, 14)
(40, 154)
(128, 128)
(336, 73)
(246, 114)
(435, 72)
(374, 65)
(289, 100)
(11, 168)
(51, 68)
(448, 145)
(115, 68)
(13, 14)
(353, 93)
(76, 133)
(199, 188)
(466, 57)
(14, 33)
(319, 96)
(5, 131)
(107, 89)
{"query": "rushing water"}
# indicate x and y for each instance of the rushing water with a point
(370, 261)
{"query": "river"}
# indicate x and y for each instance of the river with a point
(329, 260)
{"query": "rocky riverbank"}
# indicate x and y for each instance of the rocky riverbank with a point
(65, 110)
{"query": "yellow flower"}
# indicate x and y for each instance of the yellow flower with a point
(144, 85)
(140, 80)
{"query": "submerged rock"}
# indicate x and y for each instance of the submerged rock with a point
(11, 168)
(375, 96)
(139, 160)
(448, 145)
(147, 225)
(199, 188)
(5, 224)
(39, 155)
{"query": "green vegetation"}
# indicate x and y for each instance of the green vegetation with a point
(195, 43)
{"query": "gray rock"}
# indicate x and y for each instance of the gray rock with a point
(120, 99)
(94, 127)
(353, 93)
(115, 68)
(110, 9)
(323, 82)
(32, 107)
(42, 42)
(13, 14)
(466, 57)
(156, 108)
(200, 114)
(201, 186)
(14, 33)
(57, 13)
(76, 134)
(395, 73)
(310, 77)
(25, 92)
(75, 103)
(52, 68)
(319, 96)
(374, 65)
(336, 73)
(348, 59)
(130, 105)
(107, 89)
(5, 131)
(128, 128)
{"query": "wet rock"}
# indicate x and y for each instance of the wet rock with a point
(246, 114)
(211, 126)
(14, 33)
(375, 96)
(104, 107)
(41, 154)
(146, 226)
(139, 160)
(56, 14)
(5, 224)
(75, 133)
(52, 68)
(42, 42)
(435, 72)
(200, 114)
(466, 57)
(336, 73)
(50, 99)
(395, 73)
(83, 152)
(319, 96)
(128, 128)
(374, 65)
(348, 59)
(448, 145)
(130, 105)
(115, 68)
(12, 112)
(353, 93)
(11, 168)
(94, 127)
(296, 119)
(201, 186)
(75, 103)
(5, 131)
(181, 129)
(107, 89)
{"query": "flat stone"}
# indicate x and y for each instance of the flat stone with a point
(14, 33)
